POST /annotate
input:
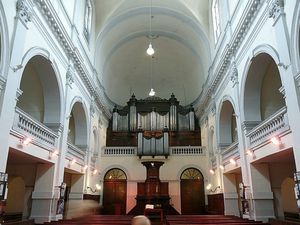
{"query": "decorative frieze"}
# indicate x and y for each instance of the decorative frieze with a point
(69, 77)
(92, 107)
(234, 75)
(18, 94)
(2, 84)
(229, 51)
(23, 12)
(71, 51)
(282, 91)
(276, 9)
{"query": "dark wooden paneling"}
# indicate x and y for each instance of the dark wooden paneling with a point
(192, 197)
(215, 204)
(114, 197)
(185, 138)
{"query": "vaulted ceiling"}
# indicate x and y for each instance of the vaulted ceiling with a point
(182, 48)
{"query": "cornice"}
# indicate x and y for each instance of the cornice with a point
(73, 53)
(228, 54)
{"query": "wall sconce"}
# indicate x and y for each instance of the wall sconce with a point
(53, 153)
(95, 171)
(3, 185)
(98, 188)
(250, 153)
(210, 189)
(276, 140)
(222, 167)
(208, 186)
(84, 168)
(212, 172)
(232, 161)
(25, 141)
(72, 162)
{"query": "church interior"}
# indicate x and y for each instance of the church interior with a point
(179, 110)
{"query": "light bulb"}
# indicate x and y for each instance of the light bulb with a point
(152, 92)
(208, 186)
(150, 50)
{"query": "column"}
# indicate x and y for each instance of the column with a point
(43, 203)
(290, 87)
(11, 94)
(231, 199)
(262, 195)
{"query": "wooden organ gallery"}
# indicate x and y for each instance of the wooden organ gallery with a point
(153, 124)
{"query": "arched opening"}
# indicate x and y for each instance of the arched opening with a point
(77, 134)
(192, 192)
(228, 128)
(115, 192)
(78, 126)
(262, 97)
(43, 101)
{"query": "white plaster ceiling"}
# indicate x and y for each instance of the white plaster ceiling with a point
(182, 57)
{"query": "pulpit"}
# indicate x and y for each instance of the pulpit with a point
(153, 191)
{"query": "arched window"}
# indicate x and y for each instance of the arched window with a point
(87, 19)
(216, 19)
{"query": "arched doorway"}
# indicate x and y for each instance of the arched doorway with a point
(192, 192)
(115, 192)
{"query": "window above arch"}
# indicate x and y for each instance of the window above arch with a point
(216, 19)
(115, 174)
(191, 174)
(87, 19)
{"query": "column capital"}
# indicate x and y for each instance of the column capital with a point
(23, 12)
(276, 9)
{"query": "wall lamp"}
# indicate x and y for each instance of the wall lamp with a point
(98, 188)
(232, 161)
(251, 153)
(276, 140)
(25, 141)
(210, 189)
(53, 153)
(222, 167)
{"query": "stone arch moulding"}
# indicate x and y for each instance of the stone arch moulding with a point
(102, 175)
(263, 48)
(202, 171)
(79, 99)
(5, 51)
(41, 52)
(218, 114)
(295, 39)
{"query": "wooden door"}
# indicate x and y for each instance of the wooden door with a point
(114, 193)
(192, 192)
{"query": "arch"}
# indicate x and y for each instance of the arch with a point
(95, 140)
(192, 191)
(205, 175)
(4, 43)
(226, 121)
(79, 112)
(211, 141)
(115, 174)
(115, 191)
(39, 68)
(295, 38)
(115, 166)
(263, 65)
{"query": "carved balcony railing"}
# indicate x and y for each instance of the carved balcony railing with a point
(187, 150)
(274, 125)
(232, 151)
(28, 126)
(77, 153)
(117, 151)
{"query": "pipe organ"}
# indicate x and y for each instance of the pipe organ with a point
(152, 124)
